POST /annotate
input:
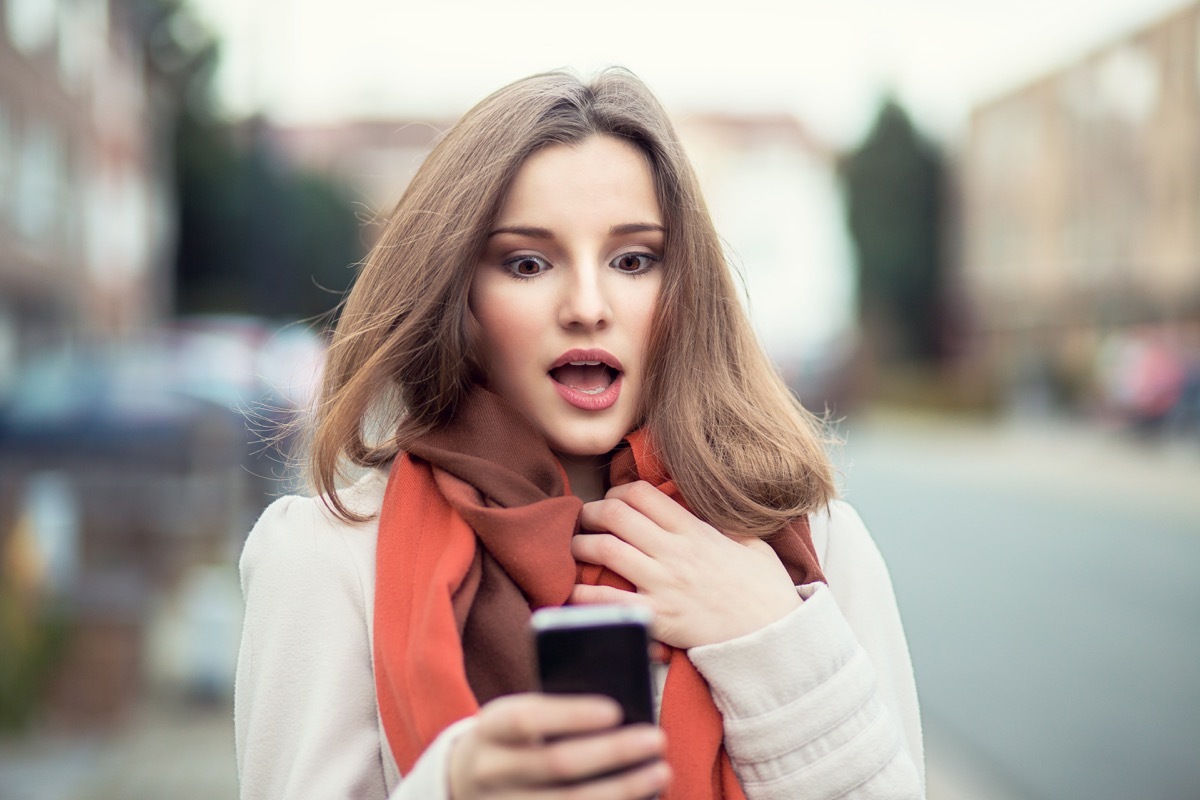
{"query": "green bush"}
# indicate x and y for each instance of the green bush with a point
(32, 641)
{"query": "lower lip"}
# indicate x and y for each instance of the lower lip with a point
(590, 402)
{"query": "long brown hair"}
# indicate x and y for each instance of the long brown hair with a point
(744, 453)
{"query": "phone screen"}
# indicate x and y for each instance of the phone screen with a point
(611, 659)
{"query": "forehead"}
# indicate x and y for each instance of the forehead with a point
(601, 177)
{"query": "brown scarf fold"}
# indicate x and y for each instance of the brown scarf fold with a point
(474, 533)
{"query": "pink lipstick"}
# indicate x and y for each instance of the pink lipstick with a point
(587, 379)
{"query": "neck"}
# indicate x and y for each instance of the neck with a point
(588, 475)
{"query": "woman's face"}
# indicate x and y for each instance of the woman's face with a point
(565, 292)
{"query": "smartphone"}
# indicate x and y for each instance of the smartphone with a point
(597, 649)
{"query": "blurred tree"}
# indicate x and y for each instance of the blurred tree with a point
(254, 235)
(893, 185)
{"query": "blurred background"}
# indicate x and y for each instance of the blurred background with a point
(971, 233)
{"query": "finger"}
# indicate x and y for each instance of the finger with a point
(621, 557)
(585, 594)
(572, 760)
(645, 781)
(754, 543)
(617, 517)
(532, 717)
(655, 506)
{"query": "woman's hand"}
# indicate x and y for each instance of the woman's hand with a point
(541, 746)
(703, 586)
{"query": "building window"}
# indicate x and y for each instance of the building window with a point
(1197, 81)
(31, 23)
(38, 182)
(7, 157)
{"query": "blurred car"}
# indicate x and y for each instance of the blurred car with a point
(111, 406)
(198, 399)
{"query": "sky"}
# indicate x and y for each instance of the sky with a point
(827, 62)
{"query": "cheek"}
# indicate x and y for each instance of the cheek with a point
(646, 317)
(498, 331)
(483, 323)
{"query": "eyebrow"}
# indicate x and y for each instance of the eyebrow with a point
(545, 233)
(636, 227)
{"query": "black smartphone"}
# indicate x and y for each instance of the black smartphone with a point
(597, 649)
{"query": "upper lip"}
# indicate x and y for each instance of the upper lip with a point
(592, 354)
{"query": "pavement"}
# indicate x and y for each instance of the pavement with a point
(1081, 481)
(1037, 450)
(169, 748)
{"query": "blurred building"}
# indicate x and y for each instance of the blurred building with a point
(85, 211)
(1081, 207)
(773, 192)
(113, 484)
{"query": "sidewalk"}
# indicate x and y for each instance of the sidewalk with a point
(168, 749)
(1080, 461)
(1079, 457)
(950, 774)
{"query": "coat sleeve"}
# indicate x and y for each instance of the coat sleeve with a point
(305, 713)
(822, 704)
(304, 694)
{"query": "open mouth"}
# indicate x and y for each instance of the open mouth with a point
(590, 377)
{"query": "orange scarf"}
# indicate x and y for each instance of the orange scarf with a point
(475, 532)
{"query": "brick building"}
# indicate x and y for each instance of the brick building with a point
(85, 204)
(1081, 206)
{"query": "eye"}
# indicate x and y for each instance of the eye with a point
(526, 266)
(634, 263)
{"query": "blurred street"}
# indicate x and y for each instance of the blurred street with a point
(1047, 574)
(1047, 577)
(167, 749)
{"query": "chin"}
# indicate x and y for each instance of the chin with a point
(585, 446)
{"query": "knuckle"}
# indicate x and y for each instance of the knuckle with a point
(608, 546)
(601, 512)
(489, 772)
(524, 725)
(493, 716)
(627, 749)
(557, 761)
(761, 547)
(584, 791)
(619, 510)
(641, 491)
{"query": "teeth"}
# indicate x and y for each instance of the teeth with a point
(585, 363)
(597, 390)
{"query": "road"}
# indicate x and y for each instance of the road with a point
(1049, 578)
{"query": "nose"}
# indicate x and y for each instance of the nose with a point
(585, 302)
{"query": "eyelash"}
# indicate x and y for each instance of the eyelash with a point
(509, 265)
(650, 257)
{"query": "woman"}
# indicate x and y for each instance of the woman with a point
(547, 341)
